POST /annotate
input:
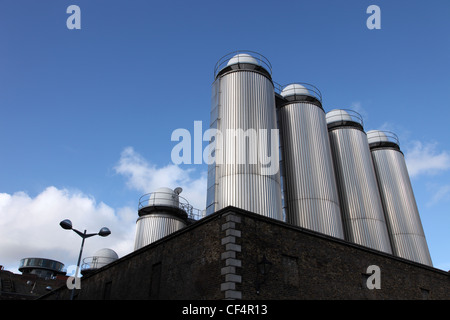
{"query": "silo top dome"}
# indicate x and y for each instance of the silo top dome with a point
(164, 199)
(337, 115)
(100, 259)
(344, 118)
(376, 136)
(242, 58)
(294, 89)
(106, 253)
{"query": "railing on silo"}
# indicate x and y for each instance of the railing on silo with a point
(170, 200)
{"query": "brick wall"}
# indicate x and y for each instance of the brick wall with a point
(220, 257)
(183, 265)
(307, 265)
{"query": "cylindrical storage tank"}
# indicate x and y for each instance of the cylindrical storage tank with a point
(402, 215)
(160, 213)
(361, 208)
(245, 173)
(310, 191)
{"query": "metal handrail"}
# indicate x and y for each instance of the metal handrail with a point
(277, 87)
(262, 61)
(164, 198)
(197, 214)
(96, 262)
(384, 134)
(172, 200)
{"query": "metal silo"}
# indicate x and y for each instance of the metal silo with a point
(361, 208)
(402, 215)
(310, 191)
(160, 213)
(245, 173)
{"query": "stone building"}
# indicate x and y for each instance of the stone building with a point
(236, 254)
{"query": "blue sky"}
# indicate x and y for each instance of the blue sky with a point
(87, 115)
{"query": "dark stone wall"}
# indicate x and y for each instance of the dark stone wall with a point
(219, 257)
(307, 265)
(183, 265)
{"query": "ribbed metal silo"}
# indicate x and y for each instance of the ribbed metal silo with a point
(243, 112)
(310, 192)
(361, 208)
(402, 215)
(160, 213)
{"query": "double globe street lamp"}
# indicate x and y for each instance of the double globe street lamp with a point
(67, 224)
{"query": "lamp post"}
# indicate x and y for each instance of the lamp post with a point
(67, 224)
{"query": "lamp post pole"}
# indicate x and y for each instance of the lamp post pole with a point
(67, 224)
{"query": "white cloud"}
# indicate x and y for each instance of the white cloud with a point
(145, 177)
(30, 226)
(426, 159)
(442, 193)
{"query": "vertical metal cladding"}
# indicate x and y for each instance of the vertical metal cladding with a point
(310, 191)
(246, 169)
(404, 224)
(160, 213)
(361, 208)
(150, 228)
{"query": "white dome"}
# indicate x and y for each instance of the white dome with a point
(294, 89)
(106, 253)
(242, 58)
(164, 197)
(103, 257)
(374, 136)
(337, 115)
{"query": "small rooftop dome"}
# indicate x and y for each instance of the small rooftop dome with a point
(378, 138)
(100, 259)
(242, 58)
(294, 89)
(375, 136)
(107, 254)
(337, 115)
